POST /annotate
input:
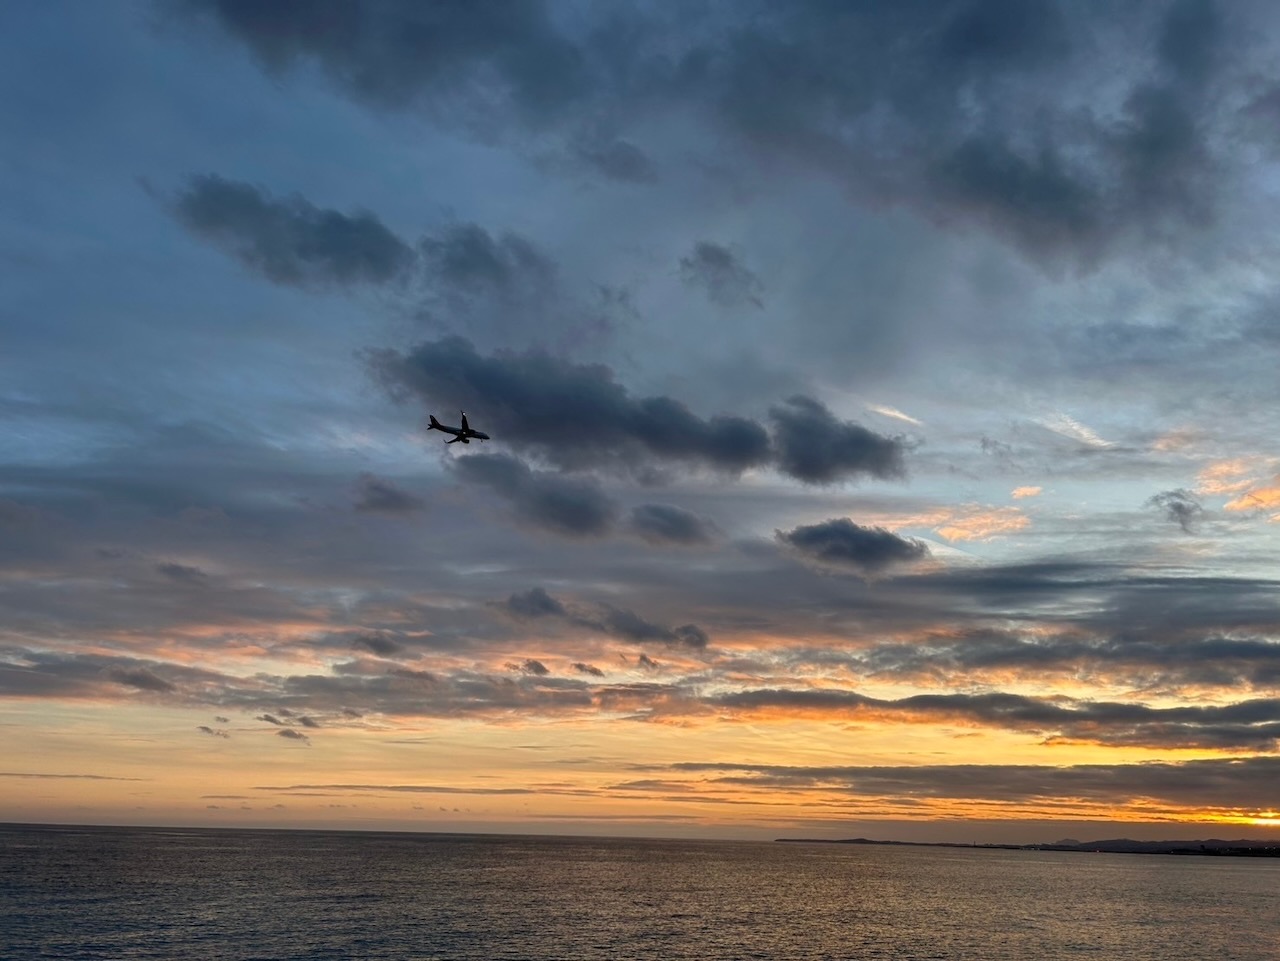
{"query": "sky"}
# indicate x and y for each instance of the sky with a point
(882, 396)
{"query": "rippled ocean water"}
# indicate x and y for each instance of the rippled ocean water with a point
(123, 893)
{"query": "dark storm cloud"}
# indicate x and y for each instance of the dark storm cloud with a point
(718, 272)
(530, 399)
(380, 644)
(616, 622)
(667, 524)
(1180, 506)
(140, 678)
(535, 602)
(1252, 724)
(505, 58)
(548, 501)
(618, 160)
(1163, 661)
(841, 543)
(182, 573)
(378, 496)
(375, 687)
(1190, 40)
(505, 288)
(1245, 725)
(980, 127)
(466, 260)
(291, 241)
(35, 673)
(1016, 115)
(1236, 783)
(630, 626)
(814, 447)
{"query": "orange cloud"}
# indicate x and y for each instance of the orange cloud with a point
(975, 523)
(1259, 498)
(1021, 492)
(1177, 439)
(1231, 476)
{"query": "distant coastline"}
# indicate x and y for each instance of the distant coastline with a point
(1213, 847)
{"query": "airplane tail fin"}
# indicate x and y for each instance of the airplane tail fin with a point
(434, 423)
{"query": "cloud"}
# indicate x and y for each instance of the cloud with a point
(1018, 493)
(1263, 497)
(578, 416)
(182, 573)
(630, 626)
(378, 496)
(973, 522)
(814, 447)
(1015, 116)
(293, 735)
(380, 644)
(535, 602)
(534, 667)
(397, 788)
(617, 159)
(574, 415)
(1247, 725)
(1231, 476)
(291, 241)
(666, 524)
(718, 272)
(842, 544)
(270, 719)
(466, 258)
(1179, 506)
(590, 669)
(502, 61)
(503, 287)
(73, 777)
(205, 729)
(141, 678)
(894, 413)
(614, 621)
(1214, 783)
(542, 499)
(1166, 660)
(1066, 426)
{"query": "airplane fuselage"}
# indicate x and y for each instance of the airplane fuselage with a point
(464, 434)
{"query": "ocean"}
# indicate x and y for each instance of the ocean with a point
(230, 895)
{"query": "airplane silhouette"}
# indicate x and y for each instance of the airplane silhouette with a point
(463, 433)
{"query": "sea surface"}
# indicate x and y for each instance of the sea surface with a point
(124, 893)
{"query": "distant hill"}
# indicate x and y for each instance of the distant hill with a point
(1244, 847)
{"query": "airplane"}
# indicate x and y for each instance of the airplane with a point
(463, 433)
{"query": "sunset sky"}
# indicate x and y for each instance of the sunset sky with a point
(883, 402)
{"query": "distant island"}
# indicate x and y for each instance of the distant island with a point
(1213, 847)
